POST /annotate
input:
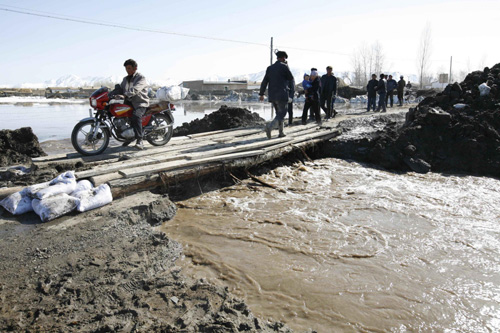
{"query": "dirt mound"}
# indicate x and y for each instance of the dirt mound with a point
(19, 146)
(350, 92)
(225, 118)
(455, 131)
(110, 271)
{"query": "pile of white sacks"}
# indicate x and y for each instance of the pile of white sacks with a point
(58, 197)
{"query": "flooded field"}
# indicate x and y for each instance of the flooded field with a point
(351, 248)
(55, 122)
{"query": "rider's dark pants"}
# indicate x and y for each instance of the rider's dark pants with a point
(290, 113)
(137, 122)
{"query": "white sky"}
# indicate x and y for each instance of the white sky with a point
(35, 49)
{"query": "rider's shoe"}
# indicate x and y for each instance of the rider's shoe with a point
(139, 145)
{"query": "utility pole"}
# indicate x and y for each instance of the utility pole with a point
(272, 109)
(451, 61)
(271, 50)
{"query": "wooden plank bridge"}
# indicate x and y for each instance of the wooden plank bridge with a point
(129, 170)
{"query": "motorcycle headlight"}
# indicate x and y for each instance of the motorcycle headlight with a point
(93, 102)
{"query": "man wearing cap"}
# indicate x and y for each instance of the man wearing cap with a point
(278, 77)
(328, 92)
(401, 90)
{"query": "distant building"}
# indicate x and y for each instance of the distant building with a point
(219, 86)
(7, 92)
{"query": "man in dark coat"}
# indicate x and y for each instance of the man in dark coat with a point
(277, 76)
(401, 90)
(312, 99)
(328, 93)
(382, 91)
(372, 93)
(391, 86)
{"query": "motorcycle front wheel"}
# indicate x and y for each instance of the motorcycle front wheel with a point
(163, 131)
(86, 141)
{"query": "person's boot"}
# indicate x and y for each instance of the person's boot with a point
(281, 129)
(139, 144)
(334, 113)
(267, 128)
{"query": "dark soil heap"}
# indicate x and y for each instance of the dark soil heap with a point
(18, 146)
(225, 118)
(440, 135)
(350, 92)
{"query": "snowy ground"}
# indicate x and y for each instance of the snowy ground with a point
(40, 100)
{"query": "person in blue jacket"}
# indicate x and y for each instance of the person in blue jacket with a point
(278, 77)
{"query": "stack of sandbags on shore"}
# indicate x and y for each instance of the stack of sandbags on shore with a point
(58, 197)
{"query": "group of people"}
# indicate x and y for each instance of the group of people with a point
(319, 93)
(385, 88)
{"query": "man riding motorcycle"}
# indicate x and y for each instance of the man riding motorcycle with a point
(134, 88)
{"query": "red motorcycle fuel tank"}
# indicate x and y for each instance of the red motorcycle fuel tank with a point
(121, 110)
(125, 111)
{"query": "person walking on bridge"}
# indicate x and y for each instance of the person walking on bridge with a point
(391, 85)
(382, 91)
(401, 90)
(328, 93)
(278, 77)
(372, 93)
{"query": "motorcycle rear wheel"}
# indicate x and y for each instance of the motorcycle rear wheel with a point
(87, 144)
(160, 137)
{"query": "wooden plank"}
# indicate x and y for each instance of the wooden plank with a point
(6, 191)
(103, 179)
(238, 148)
(142, 171)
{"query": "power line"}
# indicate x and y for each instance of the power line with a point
(121, 26)
(25, 11)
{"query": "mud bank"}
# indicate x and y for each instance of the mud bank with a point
(18, 146)
(109, 270)
(456, 131)
(225, 118)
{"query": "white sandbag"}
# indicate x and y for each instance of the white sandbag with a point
(94, 198)
(82, 185)
(17, 203)
(64, 183)
(33, 189)
(484, 89)
(171, 93)
(64, 178)
(54, 206)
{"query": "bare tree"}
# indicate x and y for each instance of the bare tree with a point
(378, 57)
(424, 54)
(358, 75)
(367, 60)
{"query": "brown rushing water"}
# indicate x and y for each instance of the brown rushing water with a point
(349, 248)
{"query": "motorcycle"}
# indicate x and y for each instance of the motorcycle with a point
(112, 117)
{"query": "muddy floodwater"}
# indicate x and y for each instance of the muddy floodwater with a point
(350, 248)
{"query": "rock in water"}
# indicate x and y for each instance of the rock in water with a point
(19, 146)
